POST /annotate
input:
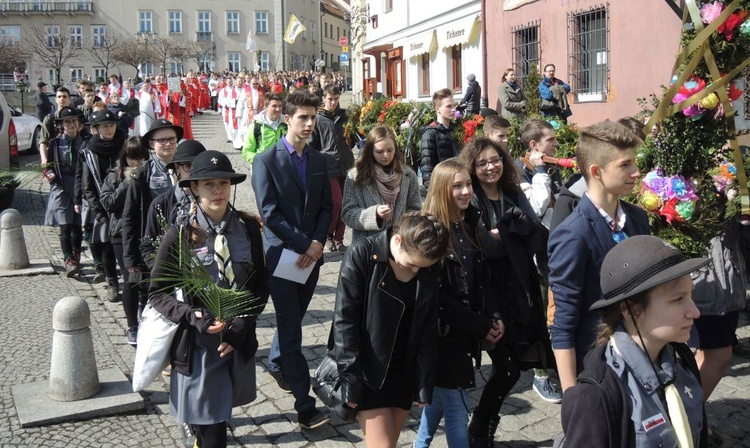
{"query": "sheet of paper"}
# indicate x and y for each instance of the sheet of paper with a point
(286, 268)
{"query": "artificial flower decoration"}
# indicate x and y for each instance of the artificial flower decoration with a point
(733, 21)
(669, 212)
(471, 126)
(649, 200)
(672, 197)
(710, 11)
(745, 31)
(709, 102)
(735, 92)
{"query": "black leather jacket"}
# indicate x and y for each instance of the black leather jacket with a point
(367, 319)
(464, 318)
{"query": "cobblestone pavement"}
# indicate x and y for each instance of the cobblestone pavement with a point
(270, 421)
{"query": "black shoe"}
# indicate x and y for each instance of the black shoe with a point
(131, 336)
(313, 419)
(281, 381)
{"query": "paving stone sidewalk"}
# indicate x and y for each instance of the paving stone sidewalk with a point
(270, 421)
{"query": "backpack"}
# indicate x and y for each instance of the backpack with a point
(257, 129)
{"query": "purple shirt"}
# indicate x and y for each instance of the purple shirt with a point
(299, 162)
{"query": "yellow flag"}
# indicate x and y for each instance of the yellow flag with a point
(293, 29)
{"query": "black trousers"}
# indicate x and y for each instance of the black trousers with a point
(505, 374)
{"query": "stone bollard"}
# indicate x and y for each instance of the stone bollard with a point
(73, 375)
(13, 254)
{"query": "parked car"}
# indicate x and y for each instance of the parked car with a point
(9, 158)
(28, 129)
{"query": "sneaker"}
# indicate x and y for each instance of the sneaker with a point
(131, 336)
(546, 390)
(340, 247)
(281, 381)
(111, 294)
(71, 267)
(99, 275)
(313, 419)
(329, 245)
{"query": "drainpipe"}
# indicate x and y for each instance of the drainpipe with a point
(485, 100)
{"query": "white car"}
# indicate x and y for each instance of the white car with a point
(28, 130)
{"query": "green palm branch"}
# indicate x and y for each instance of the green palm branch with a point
(188, 274)
(18, 177)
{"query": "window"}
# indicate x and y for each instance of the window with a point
(53, 35)
(338, 32)
(233, 61)
(325, 30)
(261, 22)
(147, 69)
(455, 62)
(175, 67)
(265, 61)
(204, 21)
(98, 33)
(76, 74)
(175, 22)
(145, 22)
(589, 55)
(424, 71)
(100, 74)
(303, 21)
(233, 22)
(312, 31)
(51, 76)
(388, 5)
(526, 50)
(76, 36)
(11, 33)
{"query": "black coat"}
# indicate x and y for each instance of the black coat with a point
(240, 331)
(473, 97)
(114, 192)
(463, 321)
(328, 138)
(367, 319)
(436, 145)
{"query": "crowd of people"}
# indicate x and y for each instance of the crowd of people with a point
(477, 253)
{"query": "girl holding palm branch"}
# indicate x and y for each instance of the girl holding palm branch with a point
(210, 278)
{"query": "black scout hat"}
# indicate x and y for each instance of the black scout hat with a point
(640, 263)
(68, 112)
(212, 165)
(104, 116)
(186, 152)
(161, 123)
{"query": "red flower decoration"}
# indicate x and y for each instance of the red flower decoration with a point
(670, 213)
(381, 118)
(735, 93)
(733, 21)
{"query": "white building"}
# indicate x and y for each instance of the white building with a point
(417, 47)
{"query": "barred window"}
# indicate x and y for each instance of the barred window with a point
(526, 49)
(588, 37)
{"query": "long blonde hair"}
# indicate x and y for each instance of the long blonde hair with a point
(439, 201)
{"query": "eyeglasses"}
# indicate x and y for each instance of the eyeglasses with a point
(164, 141)
(255, 84)
(483, 164)
(185, 166)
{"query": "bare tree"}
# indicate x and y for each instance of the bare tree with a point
(201, 53)
(13, 55)
(134, 53)
(53, 44)
(104, 49)
(167, 49)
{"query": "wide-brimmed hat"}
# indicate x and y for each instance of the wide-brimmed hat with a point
(212, 165)
(68, 112)
(187, 150)
(104, 116)
(640, 263)
(161, 123)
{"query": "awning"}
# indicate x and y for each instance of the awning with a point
(456, 32)
(419, 44)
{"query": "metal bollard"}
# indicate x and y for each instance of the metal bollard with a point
(13, 254)
(73, 375)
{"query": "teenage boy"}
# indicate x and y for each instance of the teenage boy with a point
(606, 158)
(328, 139)
(540, 182)
(266, 129)
(49, 129)
(497, 128)
(437, 144)
(293, 194)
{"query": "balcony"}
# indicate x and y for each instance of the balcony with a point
(48, 7)
(204, 36)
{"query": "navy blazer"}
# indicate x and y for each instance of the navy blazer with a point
(576, 251)
(292, 217)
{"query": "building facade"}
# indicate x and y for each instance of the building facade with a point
(334, 19)
(416, 48)
(236, 34)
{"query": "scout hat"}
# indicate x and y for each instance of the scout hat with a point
(104, 116)
(640, 263)
(161, 123)
(68, 112)
(186, 152)
(212, 165)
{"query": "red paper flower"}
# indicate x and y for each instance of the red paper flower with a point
(381, 118)
(670, 212)
(730, 25)
(735, 93)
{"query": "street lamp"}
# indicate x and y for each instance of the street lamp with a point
(21, 87)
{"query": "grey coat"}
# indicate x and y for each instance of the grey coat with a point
(513, 101)
(361, 201)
